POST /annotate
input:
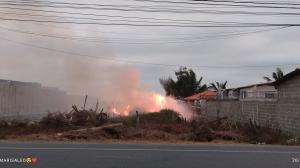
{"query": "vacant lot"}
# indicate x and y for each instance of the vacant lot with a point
(163, 126)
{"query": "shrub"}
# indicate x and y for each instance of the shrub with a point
(54, 120)
(165, 116)
(88, 118)
(3, 124)
(254, 133)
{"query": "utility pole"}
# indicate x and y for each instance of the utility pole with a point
(137, 120)
(86, 96)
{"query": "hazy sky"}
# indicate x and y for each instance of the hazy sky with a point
(27, 54)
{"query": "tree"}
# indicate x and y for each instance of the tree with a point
(185, 85)
(218, 86)
(276, 75)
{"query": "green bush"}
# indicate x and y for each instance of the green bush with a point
(165, 116)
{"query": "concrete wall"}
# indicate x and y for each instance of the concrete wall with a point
(283, 112)
(224, 108)
(29, 100)
(288, 107)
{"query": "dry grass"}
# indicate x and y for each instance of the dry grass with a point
(152, 128)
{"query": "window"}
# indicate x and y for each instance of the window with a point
(270, 95)
(244, 94)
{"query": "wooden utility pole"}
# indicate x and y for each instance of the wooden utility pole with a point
(86, 96)
(137, 120)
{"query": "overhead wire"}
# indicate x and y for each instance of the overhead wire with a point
(248, 67)
(203, 2)
(161, 41)
(118, 20)
(252, 2)
(152, 10)
(274, 26)
(206, 2)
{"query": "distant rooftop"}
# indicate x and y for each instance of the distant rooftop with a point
(18, 83)
(288, 76)
(203, 95)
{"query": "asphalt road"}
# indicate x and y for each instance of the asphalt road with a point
(146, 156)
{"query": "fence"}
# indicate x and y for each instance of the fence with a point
(29, 100)
(282, 113)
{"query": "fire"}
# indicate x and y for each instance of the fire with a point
(153, 102)
(159, 100)
(114, 110)
(125, 112)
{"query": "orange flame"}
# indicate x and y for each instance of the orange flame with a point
(154, 102)
(114, 110)
(159, 100)
(125, 112)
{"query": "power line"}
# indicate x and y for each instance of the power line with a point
(118, 20)
(157, 25)
(214, 2)
(101, 5)
(154, 10)
(248, 67)
(253, 2)
(177, 40)
(107, 7)
(103, 15)
(198, 2)
(138, 34)
(206, 2)
(202, 11)
(112, 16)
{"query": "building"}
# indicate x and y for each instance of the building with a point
(275, 104)
(206, 95)
(289, 86)
(229, 94)
(198, 101)
(29, 100)
(259, 92)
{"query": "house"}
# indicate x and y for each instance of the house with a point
(289, 85)
(229, 94)
(262, 91)
(198, 99)
(275, 104)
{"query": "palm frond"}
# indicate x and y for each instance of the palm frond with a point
(267, 79)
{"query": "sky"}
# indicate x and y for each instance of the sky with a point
(88, 58)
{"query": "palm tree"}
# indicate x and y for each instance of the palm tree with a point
(185, 85)
(201, 87)
(219, 86)
(276, 75)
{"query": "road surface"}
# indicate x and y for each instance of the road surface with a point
(149, 155)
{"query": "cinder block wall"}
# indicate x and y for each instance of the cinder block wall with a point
(283, 114)
(288, 107)
(225, 108)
